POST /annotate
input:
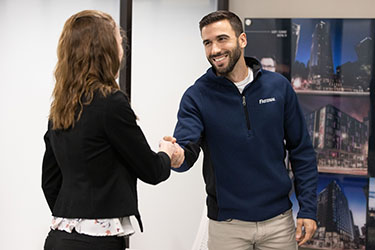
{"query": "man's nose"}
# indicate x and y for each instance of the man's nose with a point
(215, 49)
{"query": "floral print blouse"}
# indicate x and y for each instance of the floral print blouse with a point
(95, 227)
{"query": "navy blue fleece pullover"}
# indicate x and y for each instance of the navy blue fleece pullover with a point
(244, 138)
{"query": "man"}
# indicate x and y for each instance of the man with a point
(268, 63)
(241, 115)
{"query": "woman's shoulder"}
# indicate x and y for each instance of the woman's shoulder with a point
(114, 97)
(118, 95)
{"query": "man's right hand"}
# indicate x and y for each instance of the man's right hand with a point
(178, 156)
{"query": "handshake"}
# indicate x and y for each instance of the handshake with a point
(173, 150)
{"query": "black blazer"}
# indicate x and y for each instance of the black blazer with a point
(90, 170)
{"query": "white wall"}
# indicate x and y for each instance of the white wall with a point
(168, 56)
(29, 31)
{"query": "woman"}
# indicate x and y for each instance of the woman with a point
(95, 152)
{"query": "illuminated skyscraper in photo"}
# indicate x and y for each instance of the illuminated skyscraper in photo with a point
(334, 216)
(321, 74)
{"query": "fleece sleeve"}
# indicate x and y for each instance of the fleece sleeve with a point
(189, 127)
(128, 140)
(301, 155)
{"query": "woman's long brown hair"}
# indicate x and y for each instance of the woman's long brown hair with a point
(88, 60)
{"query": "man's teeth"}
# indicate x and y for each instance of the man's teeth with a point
(219, 59)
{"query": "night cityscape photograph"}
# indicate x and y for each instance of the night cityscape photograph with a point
(332, 56)
(341, 213)
(322, 56)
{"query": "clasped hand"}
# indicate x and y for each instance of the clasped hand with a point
(169, 145)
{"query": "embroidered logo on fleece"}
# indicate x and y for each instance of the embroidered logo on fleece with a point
(267, 100)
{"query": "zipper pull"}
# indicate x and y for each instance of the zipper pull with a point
(243, 100)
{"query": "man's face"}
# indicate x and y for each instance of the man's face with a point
(223, 48)
(268, 64)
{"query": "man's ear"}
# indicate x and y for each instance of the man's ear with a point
(242, 40)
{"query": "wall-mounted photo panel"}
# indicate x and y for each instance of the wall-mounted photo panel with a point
(341, 215)
(329, 63)
(269, 40)
(339, 130)
(333, 56)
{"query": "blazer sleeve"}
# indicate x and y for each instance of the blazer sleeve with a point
(189, 130)
(51, 174)
(126, 137)
(301, 155)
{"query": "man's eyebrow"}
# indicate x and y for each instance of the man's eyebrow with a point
(206, 40)
(217, 37)
(222, 36)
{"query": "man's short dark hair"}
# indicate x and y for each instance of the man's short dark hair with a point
(219, 15)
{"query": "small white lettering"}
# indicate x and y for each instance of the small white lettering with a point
(267, 100)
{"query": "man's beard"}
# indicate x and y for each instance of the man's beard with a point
(234, 55)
